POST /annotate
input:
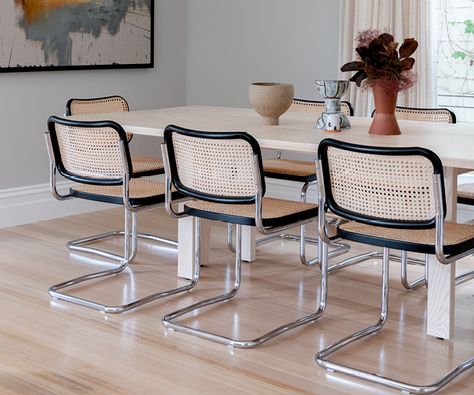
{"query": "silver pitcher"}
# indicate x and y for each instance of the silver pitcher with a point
(333, 118)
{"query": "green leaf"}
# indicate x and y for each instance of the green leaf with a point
(469, 26)
(459, 55)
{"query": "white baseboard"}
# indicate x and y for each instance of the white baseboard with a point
(34, 203)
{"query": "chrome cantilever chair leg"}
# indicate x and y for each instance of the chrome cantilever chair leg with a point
(403, 259)
(130, 248)
(423, 280)
(80, 245)
(340, 248)
(283, 236)
(169, 319)
(323, 355)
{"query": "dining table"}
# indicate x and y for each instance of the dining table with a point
(296, 132)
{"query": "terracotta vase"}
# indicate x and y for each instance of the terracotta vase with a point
(384, 122)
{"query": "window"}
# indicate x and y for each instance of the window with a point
(455, 54)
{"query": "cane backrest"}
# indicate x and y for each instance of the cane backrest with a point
(391, 187)
(91, 152)
(217, 167)
(317, 107)
(100, 105)
(96, 105)
(442, 115)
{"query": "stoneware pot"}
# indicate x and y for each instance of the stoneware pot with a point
(270, 99)
(384, 122)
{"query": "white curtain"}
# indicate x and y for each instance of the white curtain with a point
(402, 19)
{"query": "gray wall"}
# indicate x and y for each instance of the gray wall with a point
(27, 99)
(234, 42)
(206, 52)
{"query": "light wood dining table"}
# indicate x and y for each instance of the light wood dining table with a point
(453, 143)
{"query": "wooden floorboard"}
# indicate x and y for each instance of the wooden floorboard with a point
(58, 348)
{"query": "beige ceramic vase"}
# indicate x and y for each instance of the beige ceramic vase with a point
(384, 122)
(270, 99)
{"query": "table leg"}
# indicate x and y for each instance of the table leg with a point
(248, 243)
(441, 278)
(186, 245)
(441, 284)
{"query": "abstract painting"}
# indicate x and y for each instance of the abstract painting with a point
(75, 34)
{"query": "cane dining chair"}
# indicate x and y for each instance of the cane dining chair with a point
(392, 198)
(442, 115)
(142, 166)
(223, 173)
(299, 171)
(96, 158)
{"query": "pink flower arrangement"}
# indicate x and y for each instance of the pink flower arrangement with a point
(379, 59)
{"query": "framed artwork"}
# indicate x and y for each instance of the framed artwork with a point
(40, 35)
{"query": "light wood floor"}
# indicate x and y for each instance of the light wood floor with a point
(59, 348)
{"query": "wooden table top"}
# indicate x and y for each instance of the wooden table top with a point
(454, 143)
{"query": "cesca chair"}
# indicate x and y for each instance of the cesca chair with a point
(223, 173)
(439, 114)
(442, 115)
(95, 156)
(391, 198)
(298, 171)
(142, 166)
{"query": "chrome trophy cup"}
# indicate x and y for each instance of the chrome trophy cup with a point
(333, 118)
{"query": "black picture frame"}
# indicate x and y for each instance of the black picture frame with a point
(149, 55)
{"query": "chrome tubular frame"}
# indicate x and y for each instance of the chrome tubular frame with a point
(423, 280)
(168, 186)
(323, 355)
(130, 230)
(302, 237)
(405, 260)
(130, 247)
(79, 245)
(52, 171)
(276, 233)
(169, 319)
(341, 248)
